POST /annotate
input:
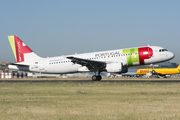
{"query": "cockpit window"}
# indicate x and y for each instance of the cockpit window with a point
(162, 50)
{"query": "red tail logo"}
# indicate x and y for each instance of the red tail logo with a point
(21, 49)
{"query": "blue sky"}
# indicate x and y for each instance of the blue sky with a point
(62, 27)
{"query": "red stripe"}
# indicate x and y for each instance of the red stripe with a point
(20, 49)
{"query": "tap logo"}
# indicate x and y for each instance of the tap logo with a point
(137, 56)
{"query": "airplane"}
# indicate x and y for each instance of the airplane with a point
(112, 61)
(159, 72)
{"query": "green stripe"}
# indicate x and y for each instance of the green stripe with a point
(12, 43)
(131, 56)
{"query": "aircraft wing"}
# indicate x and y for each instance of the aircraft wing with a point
(90, 64)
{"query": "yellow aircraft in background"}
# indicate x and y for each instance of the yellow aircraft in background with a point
(160, 71)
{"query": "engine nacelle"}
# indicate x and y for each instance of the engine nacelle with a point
(116, 68)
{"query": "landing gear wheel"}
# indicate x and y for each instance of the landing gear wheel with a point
(99, 78)
(94, 77)
(153, 72)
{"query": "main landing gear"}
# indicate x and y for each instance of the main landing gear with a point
(96, 77)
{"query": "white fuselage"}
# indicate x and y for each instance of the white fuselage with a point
(62, 65)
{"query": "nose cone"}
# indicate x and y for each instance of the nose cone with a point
(171, 55)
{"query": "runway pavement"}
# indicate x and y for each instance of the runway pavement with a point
(87, 81)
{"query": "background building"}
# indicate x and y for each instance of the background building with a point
(167, 64)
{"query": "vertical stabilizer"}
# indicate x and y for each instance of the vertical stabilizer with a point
(178, 67)
(21, 51)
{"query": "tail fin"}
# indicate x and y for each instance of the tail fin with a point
(21, 51)
(178, 67)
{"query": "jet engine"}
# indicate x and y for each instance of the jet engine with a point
(116, 68)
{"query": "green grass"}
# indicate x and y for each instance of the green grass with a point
(89, 101)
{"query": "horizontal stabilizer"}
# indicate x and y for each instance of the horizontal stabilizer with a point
(19, 64)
